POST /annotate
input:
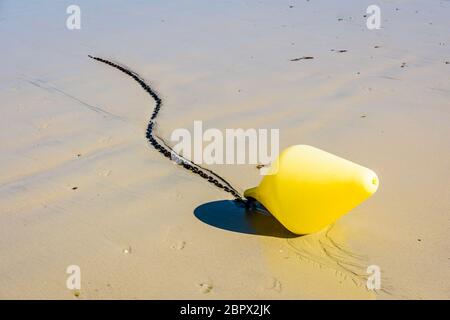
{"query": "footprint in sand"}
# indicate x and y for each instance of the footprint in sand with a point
(174, 238)
(178, 194)
(104, 173)
(272, 283)
(284, 253)
(105, 139)
(205, 287)
(43, 126)
(179, 245)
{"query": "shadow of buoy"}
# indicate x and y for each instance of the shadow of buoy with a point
(233, 216)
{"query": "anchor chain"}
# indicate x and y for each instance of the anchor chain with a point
(162, 147)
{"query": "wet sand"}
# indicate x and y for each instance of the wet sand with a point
(80, 184)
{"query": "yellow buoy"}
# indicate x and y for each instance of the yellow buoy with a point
(307, 188)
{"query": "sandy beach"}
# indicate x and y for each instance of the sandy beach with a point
(80, 184)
